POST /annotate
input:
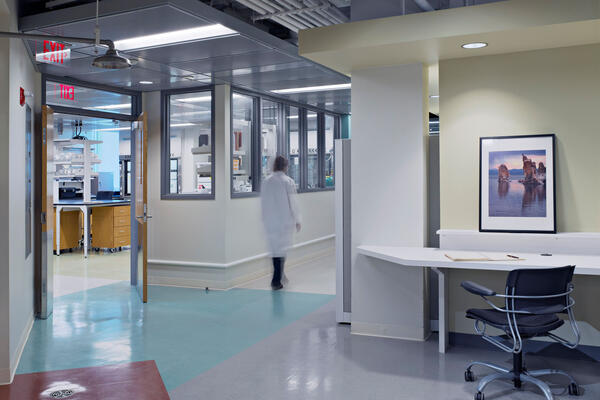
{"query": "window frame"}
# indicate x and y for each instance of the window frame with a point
(336, 135)
(165, 163)
(282, 139)
(255, 172)
(136, 99)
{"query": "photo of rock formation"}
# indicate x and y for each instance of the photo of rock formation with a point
(517, 183)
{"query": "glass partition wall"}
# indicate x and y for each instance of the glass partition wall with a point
(188, 145)
(305, 136)
(328, 153)
(270, 132)
(312, 154)
(292, 122)
(243, 122)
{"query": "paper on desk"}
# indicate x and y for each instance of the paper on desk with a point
(475, 256)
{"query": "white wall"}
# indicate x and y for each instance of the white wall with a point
(205, 233)
(389, 204)
(16, 282)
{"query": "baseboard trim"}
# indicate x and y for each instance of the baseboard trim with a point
(226, 279)
(8, 374)
(236, 262)
(388, 331)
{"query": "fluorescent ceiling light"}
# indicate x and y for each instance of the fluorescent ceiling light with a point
(434, 96)
(179, 36)
(146, 82)
(474, 45)
(188, 113)
(308, 116)
(313, 88)
(125, 128)
(182, 125)
(111, 107)
(194, 99)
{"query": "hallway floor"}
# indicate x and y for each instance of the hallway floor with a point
(250, 343)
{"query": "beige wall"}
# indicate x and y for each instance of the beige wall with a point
(546, 91)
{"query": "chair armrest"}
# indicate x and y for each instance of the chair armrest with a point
(475, 288)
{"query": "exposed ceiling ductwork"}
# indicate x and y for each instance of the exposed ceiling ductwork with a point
(296, 14)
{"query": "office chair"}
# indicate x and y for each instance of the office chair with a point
(532, 300)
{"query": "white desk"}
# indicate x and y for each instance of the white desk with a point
(84, 207)
(435, 258)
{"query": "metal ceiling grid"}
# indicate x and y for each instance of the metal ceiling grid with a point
(253, 59)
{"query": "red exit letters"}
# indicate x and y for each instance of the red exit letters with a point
(56, 52)
(67, 92)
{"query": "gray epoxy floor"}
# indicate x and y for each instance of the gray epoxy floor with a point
(314, 358)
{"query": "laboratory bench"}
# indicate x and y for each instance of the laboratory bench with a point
(110, 225)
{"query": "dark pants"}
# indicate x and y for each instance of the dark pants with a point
(277, 270)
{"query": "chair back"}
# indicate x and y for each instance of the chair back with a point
(539, 282)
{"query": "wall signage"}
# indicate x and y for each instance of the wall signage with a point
(53, 53)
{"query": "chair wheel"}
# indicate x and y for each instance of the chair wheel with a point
(479, 396)
(469, 376)
(574, 389)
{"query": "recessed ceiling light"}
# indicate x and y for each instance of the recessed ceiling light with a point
(313, 88)
(474, 45)
(172, 37)
(146, 82)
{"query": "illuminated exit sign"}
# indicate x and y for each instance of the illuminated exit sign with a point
(53, 53)
(67, 92)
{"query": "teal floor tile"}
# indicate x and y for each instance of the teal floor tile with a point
(187, 331)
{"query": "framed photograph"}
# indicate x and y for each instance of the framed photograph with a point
(516, 184)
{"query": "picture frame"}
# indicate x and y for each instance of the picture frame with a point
(517, 184)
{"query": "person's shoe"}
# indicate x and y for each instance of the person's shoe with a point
(277, 287)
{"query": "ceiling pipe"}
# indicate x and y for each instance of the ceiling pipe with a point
(300, 19)
(289, 12)
(274, 7)
(322, 15)
(307, 13)
(424, 5)
(253, 6)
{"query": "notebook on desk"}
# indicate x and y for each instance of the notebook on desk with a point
(477, 256)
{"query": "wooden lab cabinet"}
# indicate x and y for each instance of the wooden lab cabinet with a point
(70, 229)
(111, 227)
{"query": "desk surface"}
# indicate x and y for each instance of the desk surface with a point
(93, 203)
(432, 257)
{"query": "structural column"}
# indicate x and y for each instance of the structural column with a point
(389, 202)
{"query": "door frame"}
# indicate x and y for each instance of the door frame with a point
(43, 208)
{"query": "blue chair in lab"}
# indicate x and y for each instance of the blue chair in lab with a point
(532, 300)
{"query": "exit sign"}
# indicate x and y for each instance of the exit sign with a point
(53, 53)
(67, 92)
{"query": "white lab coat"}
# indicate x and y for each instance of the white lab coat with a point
(280, 212)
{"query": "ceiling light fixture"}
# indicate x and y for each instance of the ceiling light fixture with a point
(313, 88)
(474, 45)
(182, 125)
(145, 82)
(111, 107)
(194, 99)
(125, 128)
(434, 96)
(172, 37)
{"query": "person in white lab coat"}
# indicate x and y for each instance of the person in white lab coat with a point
(280, 216)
